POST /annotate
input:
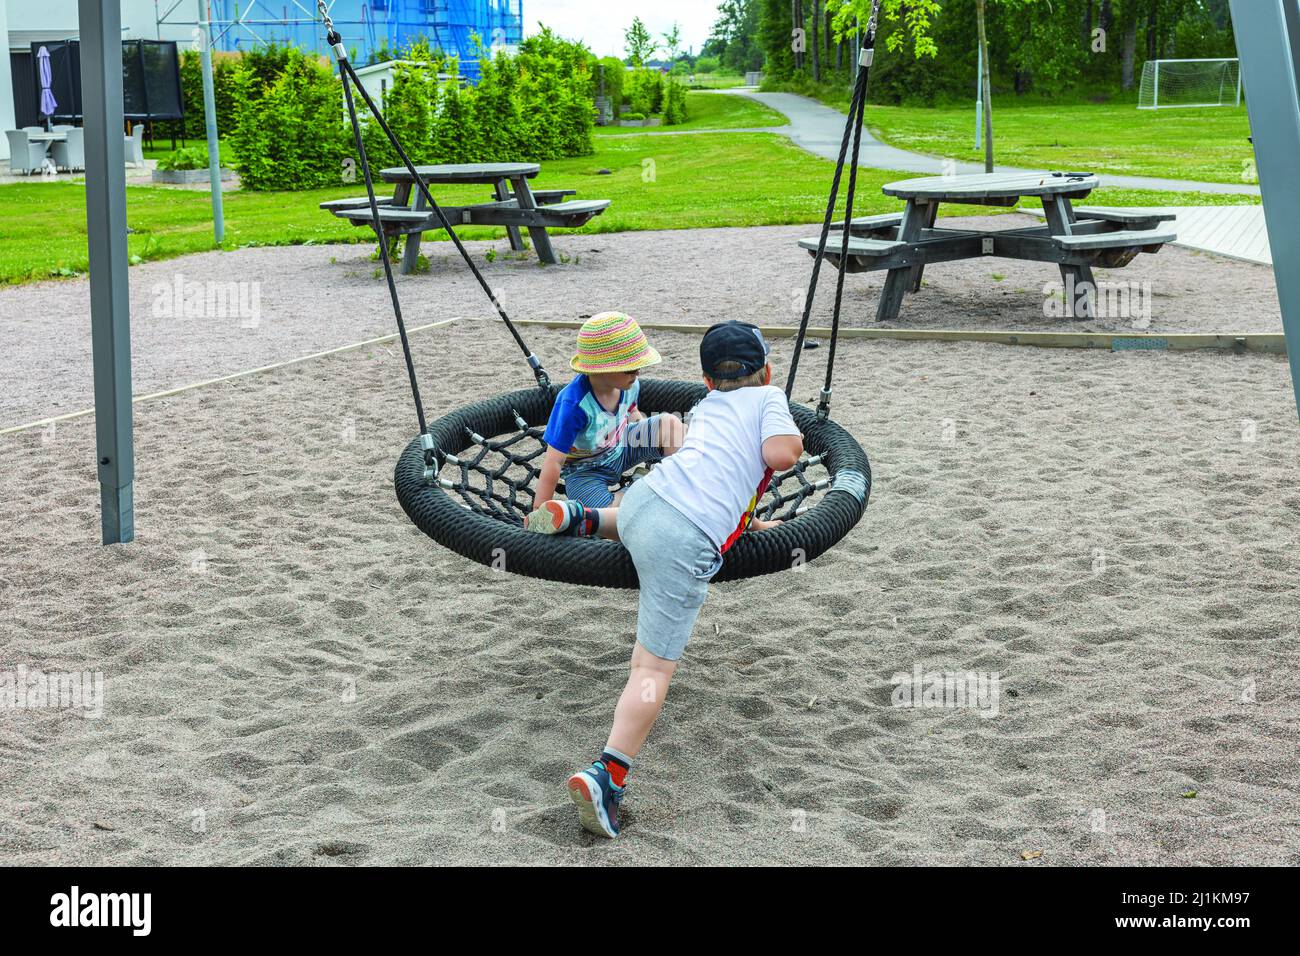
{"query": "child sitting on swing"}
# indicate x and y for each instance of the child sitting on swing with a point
(596, 432)
(676, 523)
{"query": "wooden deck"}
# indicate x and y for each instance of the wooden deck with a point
(1234, 231)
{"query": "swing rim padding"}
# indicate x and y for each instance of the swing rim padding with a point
(600, 563)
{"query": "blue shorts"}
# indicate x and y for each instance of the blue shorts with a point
(589, 482)
(675, 561)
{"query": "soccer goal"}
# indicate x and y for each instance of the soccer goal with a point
(1168, 84)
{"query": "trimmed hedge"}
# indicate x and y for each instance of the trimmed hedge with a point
(290, 132)
(266, 63)
(644, 91)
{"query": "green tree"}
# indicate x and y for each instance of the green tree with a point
(454, 133)
(673, 43)
(735, 36)
(850, 17)
(774, 35)
(290, 134)
(638, 42)
(674, 104)
(816, 45)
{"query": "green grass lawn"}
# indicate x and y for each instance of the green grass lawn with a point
(656, 182)
(712, 111)
(1205, 144)
(714, 81)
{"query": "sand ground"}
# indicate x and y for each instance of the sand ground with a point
(309, 299)
(295, 675)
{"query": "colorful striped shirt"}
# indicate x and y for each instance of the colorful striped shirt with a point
(584, 430)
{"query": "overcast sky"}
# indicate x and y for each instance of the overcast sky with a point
(600, 23)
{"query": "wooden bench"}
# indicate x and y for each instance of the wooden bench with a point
(401, 221)
(515, 206)
(1125, 217)
(866, 225)
(357, 203)
(396, 222)
(572, 214)
(861, 250)
(565, 215)
(544, 197)
(1113, 249)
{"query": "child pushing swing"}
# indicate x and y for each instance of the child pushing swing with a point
(676, 524)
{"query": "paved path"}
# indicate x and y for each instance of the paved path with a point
(820, 129)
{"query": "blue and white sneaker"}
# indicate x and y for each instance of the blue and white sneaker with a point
(597, 799)
(557, 517)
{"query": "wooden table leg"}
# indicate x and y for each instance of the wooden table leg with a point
(891, 298)
(541, 239)
(503, 193)
(1085, 272)
(1077, 278)
(411, 258)
(918, 270)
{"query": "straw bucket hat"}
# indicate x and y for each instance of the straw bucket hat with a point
(612, 342)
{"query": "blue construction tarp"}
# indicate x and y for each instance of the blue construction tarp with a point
(463, 28)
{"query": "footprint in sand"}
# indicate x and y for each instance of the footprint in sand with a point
(348, 609)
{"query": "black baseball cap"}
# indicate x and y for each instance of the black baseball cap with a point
(733, 341)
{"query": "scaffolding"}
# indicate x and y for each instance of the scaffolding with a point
(462, 28)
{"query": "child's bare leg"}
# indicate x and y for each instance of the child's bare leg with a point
(608, 527)
(642, 699)
(672, 432)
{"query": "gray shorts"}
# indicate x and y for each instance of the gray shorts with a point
(674, 560)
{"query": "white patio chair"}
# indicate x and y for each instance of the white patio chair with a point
(135, 146)
(33, 129)
(61, 127)
(24, 155)
(71, 154)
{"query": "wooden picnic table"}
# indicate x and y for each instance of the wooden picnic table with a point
(514, 206)
(1076, 240)
(502, 177)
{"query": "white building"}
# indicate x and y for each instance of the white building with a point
(379, 78)
(24, 22)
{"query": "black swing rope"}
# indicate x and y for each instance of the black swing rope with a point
(349, 77)
(853, 128)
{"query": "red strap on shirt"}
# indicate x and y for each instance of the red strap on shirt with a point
(748, 516)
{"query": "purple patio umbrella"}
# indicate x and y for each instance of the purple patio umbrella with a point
(48, 104)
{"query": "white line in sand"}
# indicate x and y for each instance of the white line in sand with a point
(383, 339)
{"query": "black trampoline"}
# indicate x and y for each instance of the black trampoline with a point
(151, 80)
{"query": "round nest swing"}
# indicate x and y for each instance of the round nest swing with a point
(477, 506)
(467, 479)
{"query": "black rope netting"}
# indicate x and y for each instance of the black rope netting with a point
(494, 477)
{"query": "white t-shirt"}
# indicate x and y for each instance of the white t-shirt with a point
(714, 477)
